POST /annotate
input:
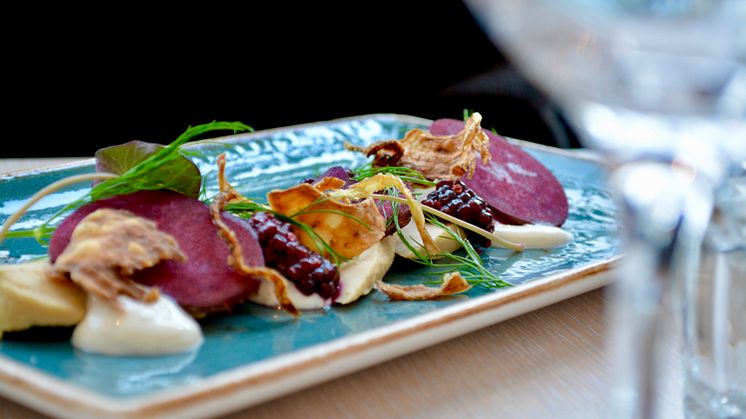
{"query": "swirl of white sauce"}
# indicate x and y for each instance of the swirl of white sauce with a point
(533, 236)
(136, 329)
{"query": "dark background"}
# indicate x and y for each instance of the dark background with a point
(77, 80)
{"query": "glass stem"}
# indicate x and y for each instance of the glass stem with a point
(662, 208)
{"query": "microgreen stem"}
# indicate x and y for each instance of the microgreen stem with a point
(62, 183)
(44, 233)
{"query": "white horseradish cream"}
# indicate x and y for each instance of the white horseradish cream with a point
(533, 236)
(136, 328)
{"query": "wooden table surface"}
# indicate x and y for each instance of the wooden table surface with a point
(551, 362)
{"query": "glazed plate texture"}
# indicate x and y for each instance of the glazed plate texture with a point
(257, 353)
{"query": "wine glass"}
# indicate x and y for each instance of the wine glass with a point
(659, 87)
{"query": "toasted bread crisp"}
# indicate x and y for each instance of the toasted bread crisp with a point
(435, 156)
(107, 247)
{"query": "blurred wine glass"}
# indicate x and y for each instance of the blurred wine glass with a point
(658, 87)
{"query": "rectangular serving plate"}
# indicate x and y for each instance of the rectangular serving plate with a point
(257, 354)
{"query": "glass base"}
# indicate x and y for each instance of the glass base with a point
(703, 402)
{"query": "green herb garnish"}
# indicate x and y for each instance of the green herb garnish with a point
(470, 266)
(155, 173)
(404, 173)
(247, 209)
(41, 234)
(180, 174)
(147, 171)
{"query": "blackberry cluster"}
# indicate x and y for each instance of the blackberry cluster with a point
(458, 200)
(282, 250)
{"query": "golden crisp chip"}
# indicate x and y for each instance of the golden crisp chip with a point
(328, 183)
(348, 228)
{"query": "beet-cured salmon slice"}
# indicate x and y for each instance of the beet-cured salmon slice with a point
(517, 186)
(204, 282)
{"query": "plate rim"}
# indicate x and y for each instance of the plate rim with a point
(573, 153)
(46, 393)
(42, 392)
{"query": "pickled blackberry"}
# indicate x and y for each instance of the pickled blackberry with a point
(282, 250)
(458, 200)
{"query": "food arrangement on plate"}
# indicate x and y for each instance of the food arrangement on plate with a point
(145, 252)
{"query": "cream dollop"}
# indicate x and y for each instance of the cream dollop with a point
(533, 236)
(265, 296)
(136, 328)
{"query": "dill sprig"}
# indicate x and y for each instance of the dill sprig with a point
(471, 267)
(247, 209)
(404, 173)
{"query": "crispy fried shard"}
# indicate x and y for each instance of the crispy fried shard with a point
(379, 182)
(348, 228)
(107, 247)
(453, 283)
(204, 283)
(328, 183)
(435, 156)
(236, 261)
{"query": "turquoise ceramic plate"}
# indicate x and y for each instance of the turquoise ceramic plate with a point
(257, 353)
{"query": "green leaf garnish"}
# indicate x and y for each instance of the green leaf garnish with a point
(150, 173)
(180, 175)
(153, 173)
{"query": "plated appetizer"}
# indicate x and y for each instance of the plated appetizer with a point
(134, 262)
